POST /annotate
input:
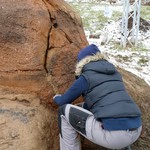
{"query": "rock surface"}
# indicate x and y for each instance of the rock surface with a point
(37, 37)
(39, 41)
(24, 123)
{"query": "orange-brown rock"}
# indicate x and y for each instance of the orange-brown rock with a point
(36, 40)
(24, 123)
(39, 41)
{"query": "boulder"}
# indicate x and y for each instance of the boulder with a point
(24, 123)
(39, 42)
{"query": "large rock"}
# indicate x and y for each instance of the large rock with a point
(36, 40)
(24, 123)
(39, 41)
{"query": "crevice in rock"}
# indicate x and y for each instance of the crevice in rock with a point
(46, 52)
(55, 25)
(65, 15)
(70, 41)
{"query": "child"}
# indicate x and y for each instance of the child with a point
(109, 116)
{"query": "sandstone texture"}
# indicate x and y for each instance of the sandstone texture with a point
(37, 38)
(24, 123)
(39, 42)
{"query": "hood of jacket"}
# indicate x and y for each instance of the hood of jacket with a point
(97, 62)
(89, 50)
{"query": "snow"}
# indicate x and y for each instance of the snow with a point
(133, 60)
(127, 59)
(137, 62)
(131, 63)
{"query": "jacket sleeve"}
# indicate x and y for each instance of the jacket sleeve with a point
(75, 91)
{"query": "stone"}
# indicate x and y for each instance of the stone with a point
(24, 123)
(39, 42)
(33, 36)
(38, 39)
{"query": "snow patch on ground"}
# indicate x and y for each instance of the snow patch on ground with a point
(137, 62)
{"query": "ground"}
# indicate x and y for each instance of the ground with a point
(99, 28)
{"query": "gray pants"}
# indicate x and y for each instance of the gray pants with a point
(74, 120)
